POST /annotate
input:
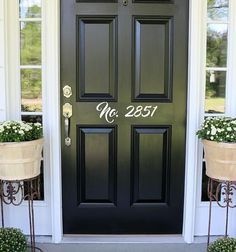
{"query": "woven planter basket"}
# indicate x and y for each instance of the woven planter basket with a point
(220, 160)
(19, 161)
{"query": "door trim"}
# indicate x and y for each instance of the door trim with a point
(53, 72)
(195, 90)
(52, 48)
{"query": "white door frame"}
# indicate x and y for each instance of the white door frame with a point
(193, 115)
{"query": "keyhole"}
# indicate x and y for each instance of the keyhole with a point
(125, 2)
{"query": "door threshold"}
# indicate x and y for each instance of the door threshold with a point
(123, 239)
(86, 239)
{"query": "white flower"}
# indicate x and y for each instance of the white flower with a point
(213, 131)
(212, 138)
(21, 132)
(229, 129)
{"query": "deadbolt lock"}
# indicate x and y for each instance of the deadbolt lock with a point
(67, 91)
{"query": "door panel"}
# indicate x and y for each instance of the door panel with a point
(153, 61)
(96, 186)
(96, 58)
(127, 65)
(150, 166)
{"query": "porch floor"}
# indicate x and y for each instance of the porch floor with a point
(117, 247)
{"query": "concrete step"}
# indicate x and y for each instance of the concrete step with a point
(117, 247)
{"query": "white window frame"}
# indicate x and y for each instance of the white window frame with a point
(202, 208)
(194, 212)
(42, 208)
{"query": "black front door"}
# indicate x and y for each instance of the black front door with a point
(126, 62)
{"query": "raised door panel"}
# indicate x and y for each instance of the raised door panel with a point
(154, 1)
(152, 58)
(150, 164)
(96, 165)
(96, 1)
(96, 58)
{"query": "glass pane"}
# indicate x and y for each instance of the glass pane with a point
(37, 184)
(30, 8)
(218, 9)
(215, 92)
(31, 90)
(30, 43)
(217, 45)
(32, 118)
(204, 183)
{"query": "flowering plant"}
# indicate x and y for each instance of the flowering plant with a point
(219, 129)
(12, 240)
(18, 131)
(223, 244)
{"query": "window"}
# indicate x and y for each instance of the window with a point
(30, 59)
(30, 23)
(216, 67)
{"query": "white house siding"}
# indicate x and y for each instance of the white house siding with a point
(2, 63)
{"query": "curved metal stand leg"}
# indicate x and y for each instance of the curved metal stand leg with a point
(227, 209)
(210, 187)
(1, 196)
(30, 208)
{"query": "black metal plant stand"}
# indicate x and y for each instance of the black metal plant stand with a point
(15, 192)
(220, 192)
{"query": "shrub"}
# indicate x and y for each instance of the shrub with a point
(12, 240)
(223, 245)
